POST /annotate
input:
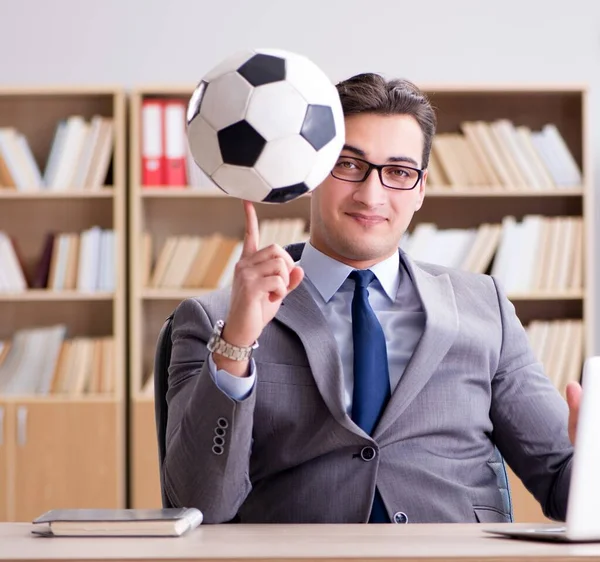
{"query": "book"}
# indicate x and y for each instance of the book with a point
(170, 522)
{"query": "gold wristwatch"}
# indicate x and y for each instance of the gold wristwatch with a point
(216, 344)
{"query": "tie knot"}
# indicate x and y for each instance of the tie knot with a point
(362, 277)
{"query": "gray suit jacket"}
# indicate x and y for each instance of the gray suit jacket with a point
(290, 453)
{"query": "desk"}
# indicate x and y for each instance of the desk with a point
(333, 543)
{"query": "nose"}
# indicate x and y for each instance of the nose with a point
(370, 192)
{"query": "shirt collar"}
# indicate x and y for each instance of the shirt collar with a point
(328, 274)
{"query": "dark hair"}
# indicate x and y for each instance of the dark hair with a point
(371, 93)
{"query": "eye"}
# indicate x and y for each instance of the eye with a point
(346, 164)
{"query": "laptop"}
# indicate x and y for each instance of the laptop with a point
(583, 517)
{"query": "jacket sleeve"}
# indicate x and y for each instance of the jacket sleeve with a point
(209, 434)
(530, 418)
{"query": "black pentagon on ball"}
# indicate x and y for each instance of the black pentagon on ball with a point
(285, 194)
(318, 127)
(263, 69)
(240, 144)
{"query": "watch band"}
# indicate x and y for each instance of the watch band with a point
(216, 344)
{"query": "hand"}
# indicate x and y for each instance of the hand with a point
(573, 392)
(261, 280)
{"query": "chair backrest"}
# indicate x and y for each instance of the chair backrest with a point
(499, 467)
(162, 358)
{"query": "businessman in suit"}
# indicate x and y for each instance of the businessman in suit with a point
(340, 381)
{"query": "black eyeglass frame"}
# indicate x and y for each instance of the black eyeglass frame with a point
(379, 168)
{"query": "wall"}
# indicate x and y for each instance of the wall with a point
(134, 42)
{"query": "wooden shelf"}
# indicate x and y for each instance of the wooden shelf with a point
(60, 399)
(550, 296)
(181, 294)
(105, 193)
(449, 192)
(171, 294)
(47, 295)
(190, 193)
(495, 193)
(184, 192)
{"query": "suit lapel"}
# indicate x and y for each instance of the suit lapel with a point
(300, 313)
(441, 326)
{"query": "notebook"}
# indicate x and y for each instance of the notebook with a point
(171, 522)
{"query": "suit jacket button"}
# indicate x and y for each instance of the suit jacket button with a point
(400, 517)
(223, 423)
(367, 454)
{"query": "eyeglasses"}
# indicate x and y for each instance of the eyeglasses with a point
(348, 168)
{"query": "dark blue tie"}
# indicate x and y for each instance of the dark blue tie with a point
(371, 373)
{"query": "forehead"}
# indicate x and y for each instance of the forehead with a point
(382, 137)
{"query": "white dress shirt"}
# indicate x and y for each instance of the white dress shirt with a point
(392, 296)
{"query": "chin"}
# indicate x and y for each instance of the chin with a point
(362, 250)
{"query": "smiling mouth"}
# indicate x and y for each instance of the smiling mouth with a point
(367, 220)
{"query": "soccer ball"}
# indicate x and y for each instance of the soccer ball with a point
(265, 125)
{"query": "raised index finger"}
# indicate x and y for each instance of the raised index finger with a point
(251, 236)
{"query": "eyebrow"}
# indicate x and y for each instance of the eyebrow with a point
(361, 153)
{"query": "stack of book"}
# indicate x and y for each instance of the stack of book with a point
(83, 262)
(43, 361)
(538, 254)
(503, 157)
(80, 157)
(558, 345)
(207, 262)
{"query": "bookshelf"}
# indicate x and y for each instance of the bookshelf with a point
(464, 199)
(62, 441)
(165, 211)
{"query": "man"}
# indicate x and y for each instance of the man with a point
(381, 396)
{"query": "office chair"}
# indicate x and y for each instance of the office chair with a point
(162, 358)
(161, 379)
(499, 467)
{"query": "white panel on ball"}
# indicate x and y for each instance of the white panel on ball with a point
(281, 53)
(276, 110)
(286, 161)
(225, 100)
(241, 182)
(311, 82)
(231, 63)
(204, 139)
(340, 124)
(324, 162)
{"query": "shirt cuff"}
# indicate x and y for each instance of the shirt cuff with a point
(237, 388)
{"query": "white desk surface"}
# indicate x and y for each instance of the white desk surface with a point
(293, 543)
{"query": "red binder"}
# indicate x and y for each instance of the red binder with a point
(175, 139)
(153, 153)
